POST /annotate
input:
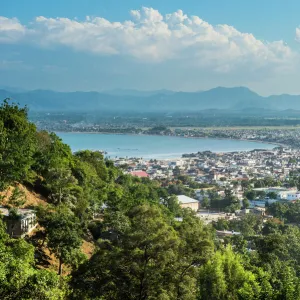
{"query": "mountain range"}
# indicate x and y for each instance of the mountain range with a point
(165, 101)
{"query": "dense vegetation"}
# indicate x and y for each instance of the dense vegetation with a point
(141, 250)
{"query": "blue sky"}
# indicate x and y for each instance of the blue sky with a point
(181, 45)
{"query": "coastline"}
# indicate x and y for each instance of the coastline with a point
(169, 156)
(174, 136)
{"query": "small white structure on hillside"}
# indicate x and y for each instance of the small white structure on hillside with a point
(187, 202)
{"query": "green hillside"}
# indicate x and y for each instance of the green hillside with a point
(141, 250)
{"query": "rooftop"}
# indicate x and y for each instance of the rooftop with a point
(141, 174)
(182, 199)
(20, 211)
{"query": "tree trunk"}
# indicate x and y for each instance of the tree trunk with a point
(60, 267)
(43, 243)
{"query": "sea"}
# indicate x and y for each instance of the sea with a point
(152, 146)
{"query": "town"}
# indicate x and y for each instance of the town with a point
(201, 180)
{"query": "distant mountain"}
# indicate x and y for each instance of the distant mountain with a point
(285, 101)
(136, 93)
(235, 99)
(12, 89)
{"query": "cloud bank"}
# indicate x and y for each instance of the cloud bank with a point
(150, 37)
(147, 51)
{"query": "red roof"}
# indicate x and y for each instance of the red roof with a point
(139, 174)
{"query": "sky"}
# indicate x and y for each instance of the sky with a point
(188, 45)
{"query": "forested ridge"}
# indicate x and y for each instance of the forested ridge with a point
(142, 251)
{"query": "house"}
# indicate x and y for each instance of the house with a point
(141, 174)
(187, 202)
(222, 233)
(208, 217)
(20, 223)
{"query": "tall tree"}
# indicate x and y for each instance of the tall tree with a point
(17, 143)
(135, 264)
(62, 186)
(195, 249)
(225, 277)
(64, 236)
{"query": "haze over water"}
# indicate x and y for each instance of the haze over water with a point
(159, 147)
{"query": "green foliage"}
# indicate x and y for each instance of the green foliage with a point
(246, 203)
(136, 257)
(141, 252)
(95, 159)
(19, 279)
(221, 224)
(17, 198)
(44, 285)
(51, 153)
(205, 202)
(272, 195)
(248, 225)
(63, 186)
(171, 203)
(64, 236)
(17, 144)
(180, 189)
(250, 195)
(289, 212)
(225, 277)
(195, 249)
(143, 257)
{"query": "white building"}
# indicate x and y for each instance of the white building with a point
(187, 202)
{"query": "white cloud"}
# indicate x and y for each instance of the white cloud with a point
(298, 34)
(11, 30)
(151, 37)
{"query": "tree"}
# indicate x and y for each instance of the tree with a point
(280, 210)
(246, 203)
(64, 236)
(19, 278)
(225, 277)
(245, 184)
(261, 194)
(272, 195)
(171, 203)
(51, 153)
(221, 224)
(136, 265)
(93, 189)
(17, 198)
(231, 201)
(205, 202)
(17, 144)
(44, 285)
(62, 185)
(248, 225)
(94, 158)
(250, 195)
(195, 249)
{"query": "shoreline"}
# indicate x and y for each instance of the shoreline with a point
(183, 137)
(175, 136)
